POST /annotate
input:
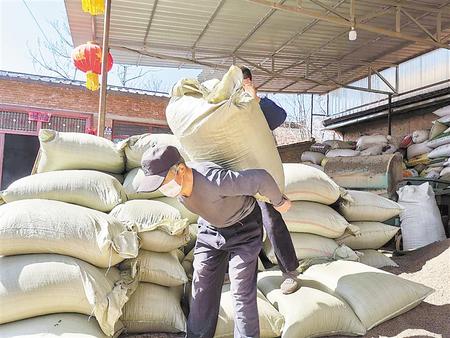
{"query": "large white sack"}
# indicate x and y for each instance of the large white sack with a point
(131, 185)
(270, 320)
(309, 312)
(375, 259)
(317, 219)
(421, 221)
(34, 285)
(137, 145)
(59, 325)
(44, 226)
(373, 150)
(445, 119)
(162, 268)
(366, 206)
(440, 141)
(87, 188)
(154, 308)
(373, 235)
(420, 136)
(312, 156)
(313, 246)
(185, 213)
(442, 111)
(445, 173)
(232, 132)
(343, 153)
(161, 241)
(374, 295)
(437, 129)
(367, 141)
(441, 151)
(305, 183)
(417, 149)
(62, 151)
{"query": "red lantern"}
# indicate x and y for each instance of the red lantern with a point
(88, 59)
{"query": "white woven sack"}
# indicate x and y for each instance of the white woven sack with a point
(87, 188)
(317, 219)
(437, 129)
(375, 259)
(225, 126)
(154, 308)
(343, 153)
(185, 213)
(441, 151)
(44, 226)
(131, 185)
(309, 312)
(442, 111)
(305, 183)
(313, 157)
(62, 151)
(34, 285)
(439, 141)
(445, 119)
(421, 220)
(445, 172)
(338, 144)
(366, 206)
(270, 320)
(374, 295)
(417, 149)
(60, 325)
(420, 136)
(367, 141)
(373, 235)
(373, 150)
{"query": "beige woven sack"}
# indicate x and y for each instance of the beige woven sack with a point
(161, 241)
(44, 226)
(375, 259)
(373, 235)
(131, 185)
(185, 213)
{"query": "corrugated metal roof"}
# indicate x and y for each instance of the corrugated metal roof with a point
(56, 80)
(306, 52)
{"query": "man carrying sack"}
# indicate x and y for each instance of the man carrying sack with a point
(230, 232)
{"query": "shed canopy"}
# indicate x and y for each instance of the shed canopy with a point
(291, 45)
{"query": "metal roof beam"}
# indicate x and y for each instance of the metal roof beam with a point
(415, 6)
(211, 19)
(150, 21)
(330, 9)
(345, 23)
(418, 24)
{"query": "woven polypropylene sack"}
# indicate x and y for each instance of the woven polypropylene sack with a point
(305, 183)
(437, 129)
(136, 146)
(44, 226)
(59, 325)
(131, 185)
(338, 144)
(270, 320)
(375, 259)
(373, 150)
(154, 308)
(34, 285)
(441, 151)
(161, 241)
(367, 206)
(309, 312)
(439, 141)
(232, 133)
(442, 111)
(373, 235)
(162, 268)
(185, 213)
(315, 218)
(313, 157)
(342, 153)
(417, 149)
(367, 141)
(374, 295)
(87, 188)
(420, 136)
(62, 151)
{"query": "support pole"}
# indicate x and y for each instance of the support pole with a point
(390, 114)
(105, 52)
(312, 114)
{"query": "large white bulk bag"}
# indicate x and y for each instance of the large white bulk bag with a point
(417, 149)
(375, 259)
(373, 235)
(420, 136)
(309, 312)
(131, 185)
(305, 183)
(374, 295)
(313, 246)
(154, 308)
(317, 219)
(421, 220)
(270, 320)
(313, 157)
(366, 206)
(442, 111)
(225, 126)
(59, 325)
(62, 151)
(367, 141)
(440, 141)
(185, 213)
(137, 145)
(87, 188)
(34, 285)
(441, 151)
(162, 268)
(343, 153)
(44, 226)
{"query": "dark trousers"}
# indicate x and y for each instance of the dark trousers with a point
(279, 236)
(237, 246)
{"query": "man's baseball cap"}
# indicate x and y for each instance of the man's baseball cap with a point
(156, 163)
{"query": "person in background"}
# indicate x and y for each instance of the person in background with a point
(230, 232)
(273, 222)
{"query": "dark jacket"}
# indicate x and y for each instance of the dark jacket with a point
(274, 114)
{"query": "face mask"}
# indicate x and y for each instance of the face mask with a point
(171, 189)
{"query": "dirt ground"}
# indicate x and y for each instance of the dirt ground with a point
(430, 266)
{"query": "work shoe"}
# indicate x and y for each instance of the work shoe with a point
(290, 284)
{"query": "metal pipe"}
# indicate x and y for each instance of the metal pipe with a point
(312, 112)
(105, 52)
(390, 114)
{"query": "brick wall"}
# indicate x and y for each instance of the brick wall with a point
(122, 106)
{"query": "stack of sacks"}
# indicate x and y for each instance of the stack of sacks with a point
(340, 149)
(60, 245)
(313, 224)
(340, 298)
